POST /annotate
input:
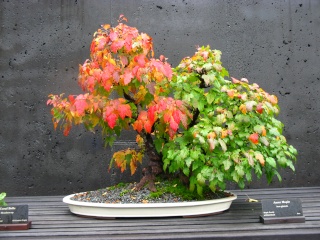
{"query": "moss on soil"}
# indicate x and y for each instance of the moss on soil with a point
(168, 190)
(176, 188)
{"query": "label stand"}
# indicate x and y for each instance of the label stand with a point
(282, 211)
(15, 226)
(14, 217)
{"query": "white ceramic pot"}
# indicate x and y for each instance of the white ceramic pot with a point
(104, 210)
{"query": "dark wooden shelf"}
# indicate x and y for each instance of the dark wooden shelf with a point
(51, 219)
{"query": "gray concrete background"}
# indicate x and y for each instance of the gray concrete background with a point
(272, 43)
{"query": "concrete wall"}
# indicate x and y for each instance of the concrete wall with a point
(273, 43)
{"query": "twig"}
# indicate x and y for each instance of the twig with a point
(251, 199)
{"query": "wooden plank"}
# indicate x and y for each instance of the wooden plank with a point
(161, 233)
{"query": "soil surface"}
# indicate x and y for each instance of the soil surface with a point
(126, 193)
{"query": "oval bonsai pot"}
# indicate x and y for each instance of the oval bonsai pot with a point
(118, 210)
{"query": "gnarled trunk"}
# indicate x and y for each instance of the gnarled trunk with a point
(154, 166)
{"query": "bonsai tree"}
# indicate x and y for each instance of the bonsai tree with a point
(190, 121)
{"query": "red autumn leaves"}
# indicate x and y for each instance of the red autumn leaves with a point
(110, 73)
(168, 111)
(260, 131)
(116, 109)
(121, 60)
(118, 56)
(254, 138)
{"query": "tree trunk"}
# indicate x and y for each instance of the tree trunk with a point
(154, 166)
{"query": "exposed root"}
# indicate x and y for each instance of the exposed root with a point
(149, 176)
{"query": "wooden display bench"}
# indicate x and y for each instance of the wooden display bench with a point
(51, 219)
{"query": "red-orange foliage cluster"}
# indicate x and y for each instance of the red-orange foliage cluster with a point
(122, 61)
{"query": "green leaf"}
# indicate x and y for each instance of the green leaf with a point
(220, 176)
(269, 175)
(189, 161)
(207, 66)
(217, 130)
(271, 162)
(158, 144)
(170, 154)
(173, 167)
(200, 179)
(147, 98)
(195, 154)
(128, 157)
(2, 195)
(217, 84)
(185, 139)
(258, 170)
(229, 115)
(184, 153)
(222, 144)
(243, 135)
(241, 184)
(186, 171)
(212, 186)
(239, 170)
(235, 155)
(248, 176)
(208, 78)
(239, 142)
(222, 185)
(227, 164)
(220, 119)
(235, 176)
(109, 140)
(186, 87)
(193, 182)
(179, 161)
(274, 131)
(187, 97)
(117, 129)
(210, 98)
(258, 128)
(293, 150)
(290, 165)
(166, 162)
(200, 105)
(278, 175)
(282, 161)
(206, 172)
(196, 165)
(217, 66)
(199, 189)
(194, 102)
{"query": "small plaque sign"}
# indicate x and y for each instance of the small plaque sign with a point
(281, 211)
(14, 218)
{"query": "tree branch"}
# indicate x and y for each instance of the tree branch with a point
(194, 119)
(128, 97)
